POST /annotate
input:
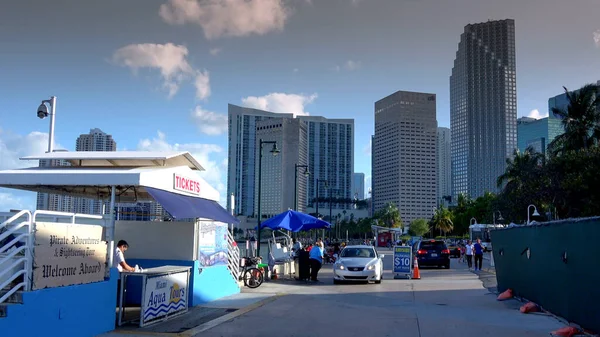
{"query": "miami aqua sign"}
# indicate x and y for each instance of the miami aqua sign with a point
(165, 295)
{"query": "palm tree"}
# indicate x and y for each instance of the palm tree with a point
(442, 219)
(522, 168)
(389, 215)
(580, 119)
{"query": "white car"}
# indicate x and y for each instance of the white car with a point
(358, 263)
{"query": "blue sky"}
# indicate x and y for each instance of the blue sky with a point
(159, 74)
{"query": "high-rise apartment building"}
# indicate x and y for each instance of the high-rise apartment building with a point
(329, 153)
(537, 133)
(444, 166)
(358, 186)
(483, 106)
(330, 158)
(278, 177)
(96, 140)
(54, 202)
(242, 161)
(404, 154)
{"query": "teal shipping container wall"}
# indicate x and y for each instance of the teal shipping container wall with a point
(554, 264)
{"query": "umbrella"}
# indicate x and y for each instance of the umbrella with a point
(295, 222)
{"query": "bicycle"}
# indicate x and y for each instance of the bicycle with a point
(252, 276)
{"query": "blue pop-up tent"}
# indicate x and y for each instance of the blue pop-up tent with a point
(295, 222)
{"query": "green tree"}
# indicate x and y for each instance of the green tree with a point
(442, 219)
(418, 227)
(580, 119)
(389, 216)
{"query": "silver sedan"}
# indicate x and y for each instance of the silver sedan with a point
(358, 263)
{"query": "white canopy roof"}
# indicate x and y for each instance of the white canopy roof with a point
(96, 182)
(122, 159)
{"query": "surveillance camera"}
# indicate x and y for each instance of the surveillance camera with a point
(42, 111)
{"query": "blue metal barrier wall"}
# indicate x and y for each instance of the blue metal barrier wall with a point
(554, 264)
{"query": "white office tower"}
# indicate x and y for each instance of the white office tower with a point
(404, 154)
(96, 140)
(278, 177)
(54, 202)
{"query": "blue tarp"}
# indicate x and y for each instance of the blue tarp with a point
(188, 207)
(295, 222)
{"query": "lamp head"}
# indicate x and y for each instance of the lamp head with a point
(500, 218)
(535, 212)
(275, 151)
(306, 172)
(42, 111)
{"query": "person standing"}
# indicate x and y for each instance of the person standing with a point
(478, 250)
(316, 260)
(119, 257)
(469, 253)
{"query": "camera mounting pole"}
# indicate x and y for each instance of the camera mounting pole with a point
(52, 103)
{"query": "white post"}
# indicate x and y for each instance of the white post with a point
(111, 228)
(52, 117)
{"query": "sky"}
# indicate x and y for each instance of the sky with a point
(158, 75)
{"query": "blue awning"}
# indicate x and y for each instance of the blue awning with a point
(187, 207)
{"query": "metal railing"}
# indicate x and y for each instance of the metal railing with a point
(21, 257)
(233, 256)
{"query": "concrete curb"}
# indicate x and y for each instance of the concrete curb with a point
(218, 321)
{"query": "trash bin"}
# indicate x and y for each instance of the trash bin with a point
(304, 265)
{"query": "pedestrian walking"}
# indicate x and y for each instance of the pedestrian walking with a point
(478, 250)
(469, 253)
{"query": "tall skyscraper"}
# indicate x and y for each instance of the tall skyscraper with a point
(483, 106)
(538, 133)
(444, 166)
(242, 155)
(329, 153)
(330, 157)
(404, 154)
(96, 140)
(278, 177)
(358, 186)
(54, 202)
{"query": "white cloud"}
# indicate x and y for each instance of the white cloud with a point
(208, 155)
(210, 123)
(281, 103)
(368, 148)
(228, 17)
(535, 113)
(215, 51)
(597, 38)
(349, 65)
(170, 60)
(12, 147)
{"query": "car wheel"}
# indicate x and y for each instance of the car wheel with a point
(447, 266)
(336, 281)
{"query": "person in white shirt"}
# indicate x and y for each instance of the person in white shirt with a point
(469, 253)
(119, 257)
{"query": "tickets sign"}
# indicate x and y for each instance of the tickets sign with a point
(186, 184)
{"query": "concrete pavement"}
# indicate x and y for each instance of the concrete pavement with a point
(442, 303)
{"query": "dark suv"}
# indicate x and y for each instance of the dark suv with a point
(432, 253)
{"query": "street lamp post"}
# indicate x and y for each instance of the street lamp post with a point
(306, 173)
(42, 112)
(275, 151)
(473, 221)
(535, 212)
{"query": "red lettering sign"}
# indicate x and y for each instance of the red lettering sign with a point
(184, 184)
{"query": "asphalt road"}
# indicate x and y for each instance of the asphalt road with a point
(442, 303)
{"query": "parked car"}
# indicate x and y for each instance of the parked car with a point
(358, 263)
(432, 253)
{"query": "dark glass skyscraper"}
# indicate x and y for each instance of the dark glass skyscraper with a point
(483, 106)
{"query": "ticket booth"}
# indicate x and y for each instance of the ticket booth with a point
(88, 302)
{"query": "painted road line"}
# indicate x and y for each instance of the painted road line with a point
(218, 321)
(137, 333)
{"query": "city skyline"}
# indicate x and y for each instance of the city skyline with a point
(164, 82)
